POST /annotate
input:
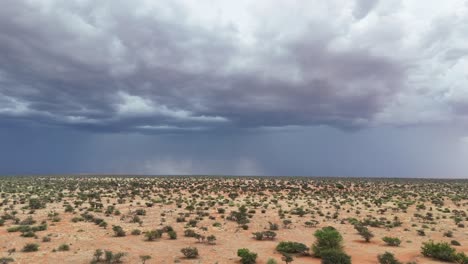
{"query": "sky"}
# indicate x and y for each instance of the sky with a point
(310, 88)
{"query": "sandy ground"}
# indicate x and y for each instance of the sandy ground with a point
(85, 237)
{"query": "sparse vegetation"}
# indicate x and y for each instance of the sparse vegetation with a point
(198, 208)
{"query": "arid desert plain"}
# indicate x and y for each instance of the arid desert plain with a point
(130, 219)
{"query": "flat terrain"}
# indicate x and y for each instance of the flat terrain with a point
(69, 218)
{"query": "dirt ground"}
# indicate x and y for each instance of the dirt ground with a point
(85, 237)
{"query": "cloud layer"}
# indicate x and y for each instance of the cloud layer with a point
(178, 66)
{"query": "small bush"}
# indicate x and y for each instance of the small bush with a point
(172, 234)
(211, 239)
(64, 247)
(461, 258)
(392, 241)
(291, 247)
(333, 256)
(110, 257)
(31, 247)
(440, 251)
(328, 238)
(287, 258)
(190, 233)
(190, 252)
(246, 256)
(153, 235)
(118, 231)
(364, 232)
(448, 234)
(6, 260)
(387, 258)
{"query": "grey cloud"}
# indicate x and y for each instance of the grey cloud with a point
(363, 7)
(67, 64)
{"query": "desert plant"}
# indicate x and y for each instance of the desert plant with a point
(461, 258)
(291, 247)
(273, 226)
(387, 258)
(152, 235)
(118, 231)
(258, 235)
(30, 247)
(440, 251)
(111, 257)
(364, 232)
(98, 254)
(6, 260)
(172, 234)
(64, 247)
(334, 256)
(327, 238)
(144, 258)
(287, 258)
(392, 241)
(246, 256)
(190, 252)
(136, 232)
(211, 239)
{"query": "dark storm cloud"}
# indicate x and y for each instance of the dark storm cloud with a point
(234, 87)
(121, 66)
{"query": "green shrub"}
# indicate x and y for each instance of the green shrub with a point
(211, 239)
(392, 241)
(287, 258)
(110, 257)
(364, 232)
(258, 235)
(246, 256)
(461, 258)
(31, 247)
(328, 238)
(291, 247)
(448, 234)
(64, 247)
(190, 233)
(5, 260)
(153, 235)
(334, 256)
(387, 258)
(172, 234)
(273, 226)
(35, 203)
(118, 230)
(440, 251)
(190, 252)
